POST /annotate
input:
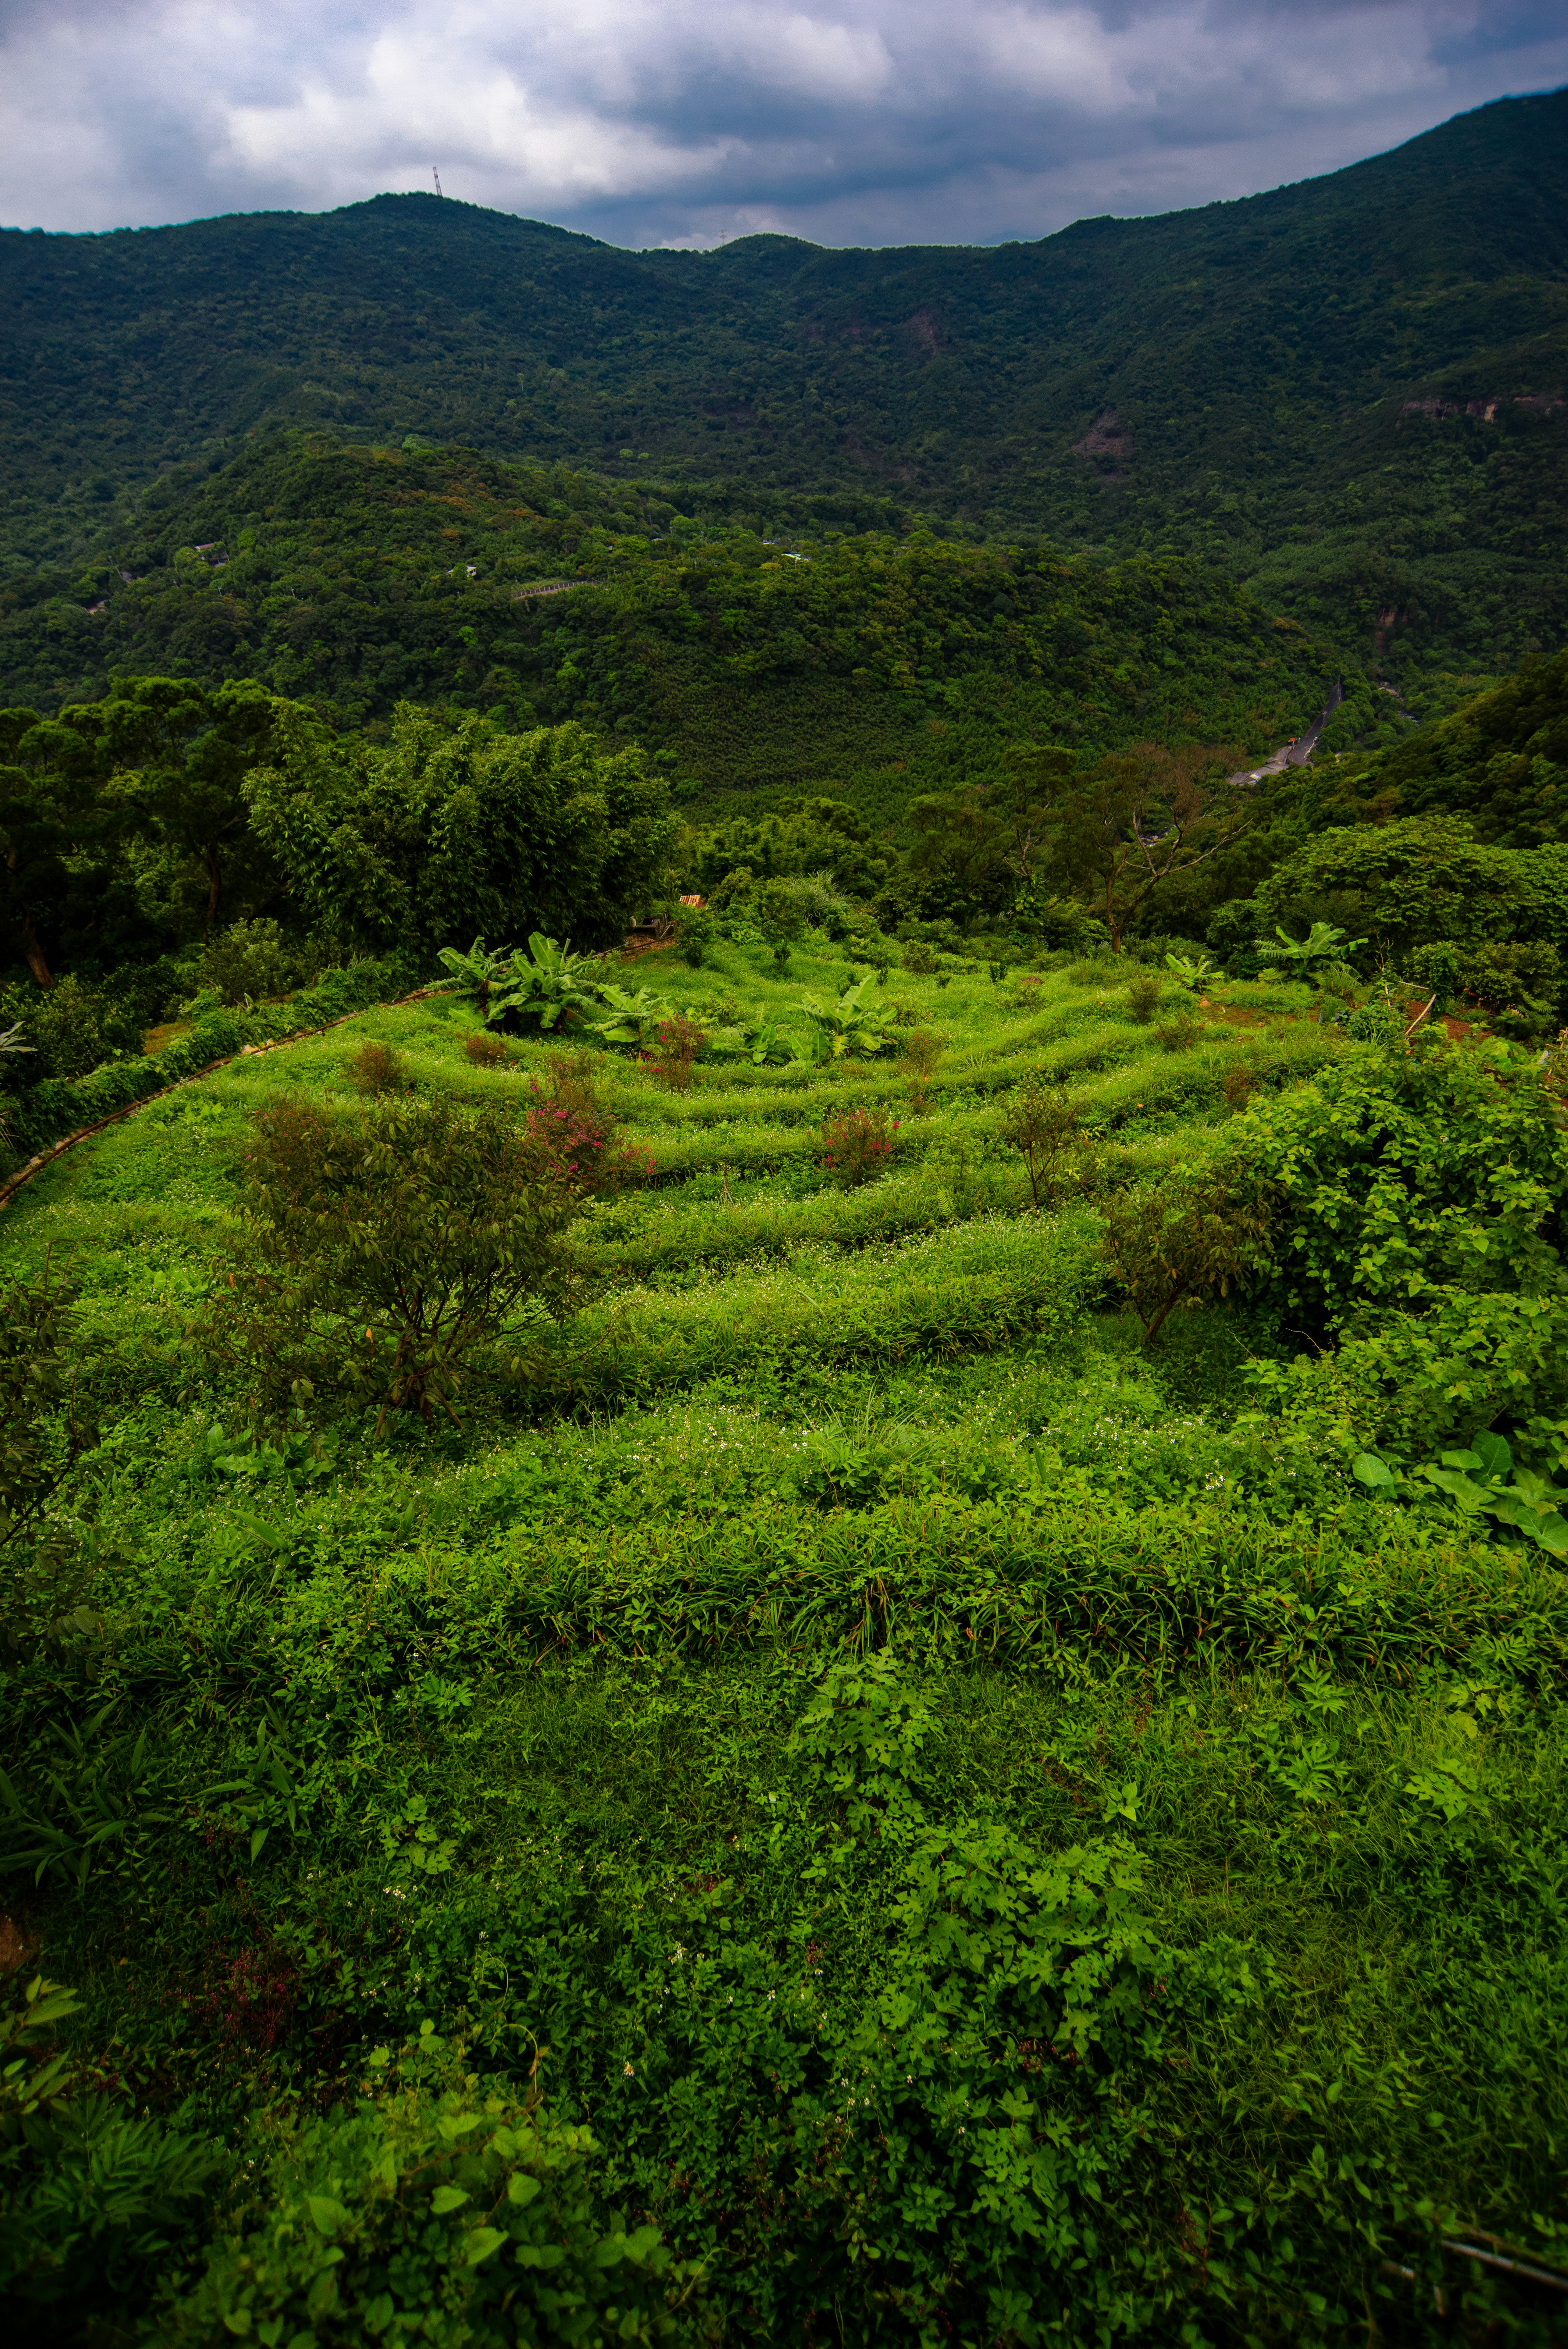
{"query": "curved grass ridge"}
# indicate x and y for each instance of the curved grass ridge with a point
(1040, 1586)
(63, 1111)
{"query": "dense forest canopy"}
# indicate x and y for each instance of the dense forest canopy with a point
(1351, 388)
(360, 577)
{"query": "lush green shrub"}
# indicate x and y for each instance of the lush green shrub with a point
(697, 929)
(73, 1027)
(246, 961)
(1402, 1176)
(1178, 1243)
(1418, 1229)
(439, 2208)
(380, 1258)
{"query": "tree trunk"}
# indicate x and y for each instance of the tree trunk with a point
(214, 888)
(32, 948)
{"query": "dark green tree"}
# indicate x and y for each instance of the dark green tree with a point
(176, 757)
(50, 820)
(453, 830)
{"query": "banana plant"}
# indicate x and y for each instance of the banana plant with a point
(1323, 943)
(852, 1028)
(773, 1044)
(1189, 970)
(626, 1017)
(479, 971)
(545, 987)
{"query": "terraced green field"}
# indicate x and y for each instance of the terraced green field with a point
(997, 1839)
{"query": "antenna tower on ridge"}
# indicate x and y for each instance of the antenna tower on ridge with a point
(437, 177)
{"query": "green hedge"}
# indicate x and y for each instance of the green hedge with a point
(60, 1105)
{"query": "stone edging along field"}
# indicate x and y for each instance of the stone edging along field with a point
(43, 1158)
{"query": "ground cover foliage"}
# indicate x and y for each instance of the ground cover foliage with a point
(839, 1793)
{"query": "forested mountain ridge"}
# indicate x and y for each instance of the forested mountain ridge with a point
(354, 578)
(1283, 384)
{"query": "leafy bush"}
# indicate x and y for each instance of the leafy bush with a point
(439, 2207)
(1401, 1176)
(246, 961)
(1518, 984)
(858, 1145)
(74, 1028)
(379, 1257)
(376, 1069)
(1180, 1242)
(1420, 1196)
(696, 931)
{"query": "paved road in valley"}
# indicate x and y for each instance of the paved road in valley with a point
(1296, 754)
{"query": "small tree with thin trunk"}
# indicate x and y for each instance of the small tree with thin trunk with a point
(384, 1256)
(1041, 1121)
(1181, 1241)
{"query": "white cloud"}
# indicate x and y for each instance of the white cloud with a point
(653, 122)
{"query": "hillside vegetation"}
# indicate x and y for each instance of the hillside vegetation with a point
(841, 1794)
(784, 1315)
(357, 579)
(1351, 390)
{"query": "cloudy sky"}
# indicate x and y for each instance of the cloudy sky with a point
(687, 121)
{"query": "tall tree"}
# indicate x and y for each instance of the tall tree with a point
(977, 846)
(49, 819)
(176, 757)
(1143, 817)
(453, 831)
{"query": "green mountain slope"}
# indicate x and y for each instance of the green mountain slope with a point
(354, 578)
(1500, 760)
(1284, 383)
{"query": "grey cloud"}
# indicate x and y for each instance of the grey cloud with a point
(647, 123)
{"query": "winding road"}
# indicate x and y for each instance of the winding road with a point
(1295, 753)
